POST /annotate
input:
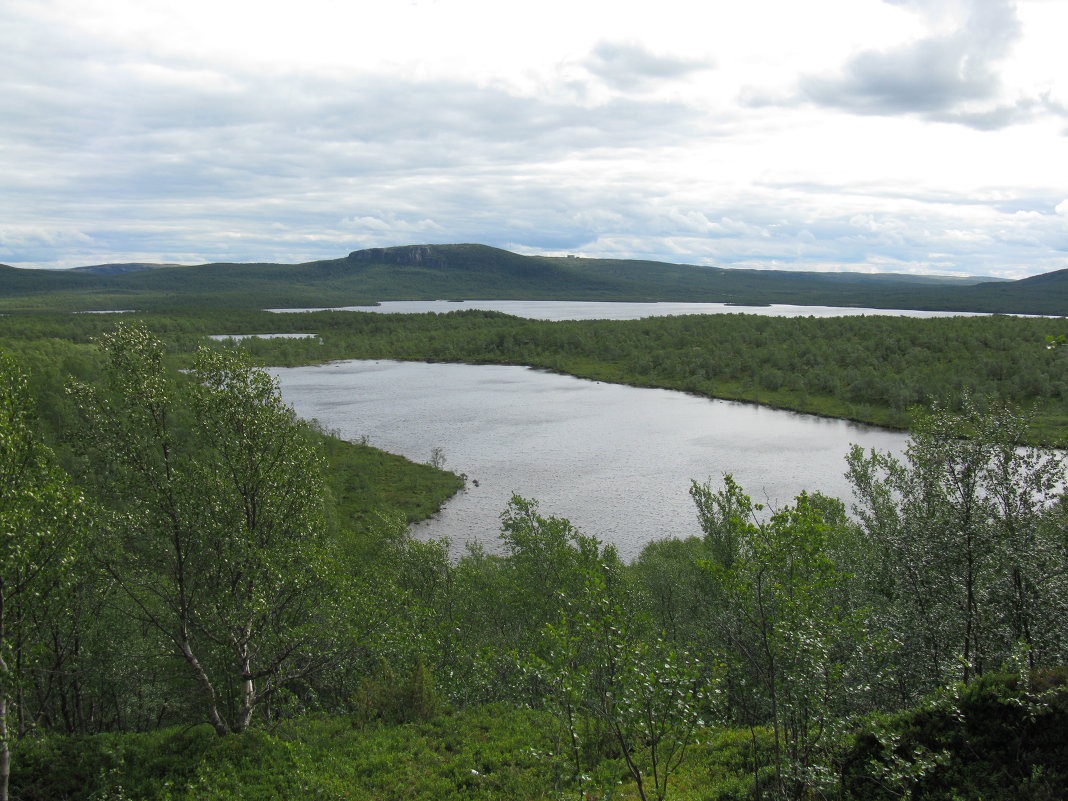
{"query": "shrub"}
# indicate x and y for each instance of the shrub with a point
(996, 738)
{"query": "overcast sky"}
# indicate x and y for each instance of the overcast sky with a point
(874, 135)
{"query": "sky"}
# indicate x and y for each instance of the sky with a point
(918, 136)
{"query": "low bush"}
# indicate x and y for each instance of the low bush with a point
(997, 738)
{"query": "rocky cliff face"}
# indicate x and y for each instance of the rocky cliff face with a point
(409, 256)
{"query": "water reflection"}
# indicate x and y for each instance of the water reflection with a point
(615, 460)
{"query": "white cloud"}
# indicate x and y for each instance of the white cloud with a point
(282, 132)
(945, 76)
(631, 66)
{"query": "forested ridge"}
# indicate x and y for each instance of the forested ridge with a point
(477, 271)
(202, 598)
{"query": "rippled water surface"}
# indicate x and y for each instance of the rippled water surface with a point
(616, 460)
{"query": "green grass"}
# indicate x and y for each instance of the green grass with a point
(483, 754)
(365, 480)
(492, 753)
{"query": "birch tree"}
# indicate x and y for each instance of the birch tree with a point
(793, 639)
(649, 696)
(971, 563)
(218, 537)
(39, 514)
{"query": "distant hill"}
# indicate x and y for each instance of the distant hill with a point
(125, 267)
(1058, 278)
(427, 272)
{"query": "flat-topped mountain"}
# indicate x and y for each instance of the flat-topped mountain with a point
(427, 272)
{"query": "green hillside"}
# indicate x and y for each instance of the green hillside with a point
(418, 272)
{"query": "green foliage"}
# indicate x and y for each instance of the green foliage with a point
(791, 623)
(383, 695)
(493, 752)
(727, 765)
(38, 510)
(216, 528)
(549, 562)
(968, 557)
(40, 514)
(364, 480)
(109, 766)
(646, 695)
(997, 738)
(485, 753)
(679, 596)
(871, 369)
(793, 643)
(85, 660)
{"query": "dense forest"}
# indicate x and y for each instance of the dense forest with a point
(203, 597)
(867, 368)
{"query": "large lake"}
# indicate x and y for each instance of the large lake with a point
(612, 310)
(616, 460)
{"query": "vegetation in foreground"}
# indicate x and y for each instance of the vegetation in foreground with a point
(988, 741)
(183, 614)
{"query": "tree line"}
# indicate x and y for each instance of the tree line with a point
(873, 369)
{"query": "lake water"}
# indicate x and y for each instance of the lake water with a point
(239, 337)
(611, 310)
(616, 460)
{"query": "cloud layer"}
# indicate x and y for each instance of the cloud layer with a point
(935, 76)
(127, 138)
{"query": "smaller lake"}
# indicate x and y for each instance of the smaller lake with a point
(615, 460)
(612, 310)
(239, 337)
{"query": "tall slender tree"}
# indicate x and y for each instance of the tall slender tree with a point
(793, 639)
(969, 568)
(218, 537)
(39, 516)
